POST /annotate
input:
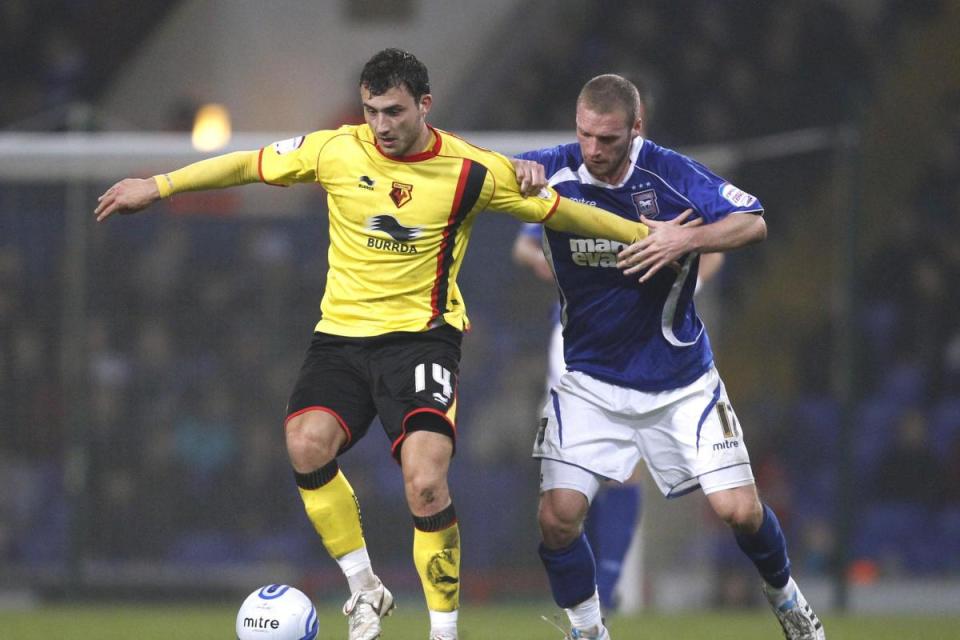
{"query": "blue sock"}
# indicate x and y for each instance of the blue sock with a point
(571, 571)
(767, 549)
(610, 524)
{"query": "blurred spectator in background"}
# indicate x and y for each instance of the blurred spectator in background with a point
(909, 471)
(952, 464)
(802, 77)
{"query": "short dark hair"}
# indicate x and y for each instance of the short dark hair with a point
(609, 92)
(395, 68)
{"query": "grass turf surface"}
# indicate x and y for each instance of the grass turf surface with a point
(514, 622)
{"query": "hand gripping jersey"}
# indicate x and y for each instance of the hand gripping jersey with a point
(646, 337)
(399, 227)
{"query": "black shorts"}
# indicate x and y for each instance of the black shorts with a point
(408, 379)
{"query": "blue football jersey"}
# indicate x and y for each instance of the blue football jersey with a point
(642, 336)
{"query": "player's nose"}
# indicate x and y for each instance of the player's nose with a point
(379, 124)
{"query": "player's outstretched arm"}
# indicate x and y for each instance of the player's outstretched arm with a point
(132, 194)
(591, 222)
(671, 239)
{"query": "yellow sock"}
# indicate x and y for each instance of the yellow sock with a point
(436, 553)
(333, 509)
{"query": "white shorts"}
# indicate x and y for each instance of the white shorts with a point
(689, 437)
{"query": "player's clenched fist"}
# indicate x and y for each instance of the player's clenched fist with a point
(530, 175)
(127, 196)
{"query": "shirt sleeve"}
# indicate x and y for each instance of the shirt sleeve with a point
(551, 157)
(535, 155)
(227, 170)
(293, 160)
(709, 194)
(508, 199)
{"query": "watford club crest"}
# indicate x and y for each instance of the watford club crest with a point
(401, 193)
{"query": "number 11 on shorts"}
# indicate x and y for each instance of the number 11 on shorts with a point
(440, 375)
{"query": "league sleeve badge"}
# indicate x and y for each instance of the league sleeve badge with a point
(288, 145)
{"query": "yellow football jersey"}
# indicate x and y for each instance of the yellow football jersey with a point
(399, 227)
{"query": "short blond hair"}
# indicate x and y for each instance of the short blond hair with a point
(610, 92)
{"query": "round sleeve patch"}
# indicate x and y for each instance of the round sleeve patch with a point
(546, 193)
(735, 196)
(288, 145)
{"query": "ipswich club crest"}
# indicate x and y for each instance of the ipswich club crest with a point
(646, 203)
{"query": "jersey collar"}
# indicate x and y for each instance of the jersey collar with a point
(416, 157)
(587, 178)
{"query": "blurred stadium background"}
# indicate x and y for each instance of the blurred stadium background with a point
(144, 364)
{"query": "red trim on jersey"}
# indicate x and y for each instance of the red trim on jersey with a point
(552, 211)
(260, 165)
(416, 157)
(340, 421)
(260, 170)
(457, 199)
(396, 443)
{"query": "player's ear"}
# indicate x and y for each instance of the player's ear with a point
(426, 101)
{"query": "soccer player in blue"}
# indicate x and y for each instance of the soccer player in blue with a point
(613, 520)
(640, 380)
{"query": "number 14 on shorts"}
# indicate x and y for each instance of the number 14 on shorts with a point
(440, 375)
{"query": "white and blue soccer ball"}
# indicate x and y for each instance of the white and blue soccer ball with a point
(277, 612)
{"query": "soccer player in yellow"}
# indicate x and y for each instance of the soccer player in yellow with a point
(403, 198)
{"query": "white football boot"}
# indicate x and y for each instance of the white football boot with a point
(364, 610)
(594, 633)
(598, 632)
(798, 620)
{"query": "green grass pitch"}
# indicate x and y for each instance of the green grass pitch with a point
(520, 622)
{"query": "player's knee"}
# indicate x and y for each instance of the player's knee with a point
(311, 441)
(743, 516)
(426, 493)
(558, 529)
(560, 516)
(424, 461)
(739, 507)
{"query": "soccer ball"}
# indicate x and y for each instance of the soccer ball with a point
(277, 612)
